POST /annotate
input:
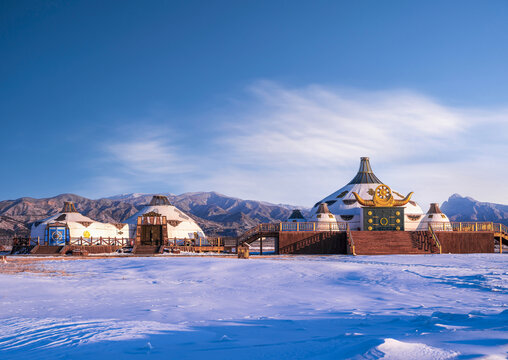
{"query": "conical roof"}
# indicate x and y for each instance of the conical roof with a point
(323, 209)
(69, 207)
(296, 215)
(365, 174)
(159, 200)
(434, 209)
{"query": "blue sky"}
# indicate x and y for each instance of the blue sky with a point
(270, 100)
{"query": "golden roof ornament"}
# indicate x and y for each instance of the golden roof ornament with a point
(382, 198)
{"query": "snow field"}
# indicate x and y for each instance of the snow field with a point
(337, 307)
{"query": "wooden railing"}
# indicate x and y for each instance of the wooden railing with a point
(81, 241)
(501, 229)
(471, 227)
(293, 226)
(434, 237)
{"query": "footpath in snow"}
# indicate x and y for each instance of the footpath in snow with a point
(333, 307)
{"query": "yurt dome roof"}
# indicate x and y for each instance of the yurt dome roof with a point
(67, 214)
(365, 182)
(323, 214)
(181, 224)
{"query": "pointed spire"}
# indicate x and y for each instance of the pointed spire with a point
(68, 207)
(365, 174)
(159, 200)
(434, 209)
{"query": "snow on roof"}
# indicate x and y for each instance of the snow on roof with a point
(180, 225)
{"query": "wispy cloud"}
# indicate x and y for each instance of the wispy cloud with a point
(296, 145)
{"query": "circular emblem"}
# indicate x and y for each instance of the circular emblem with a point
(397, 228)
(57, 235)
(383, 192)
(370, 213)
(86, 234)
(370, 228)
(383, 221)
(370, 221)
(397, 221)
(397, 213)
(383, 196)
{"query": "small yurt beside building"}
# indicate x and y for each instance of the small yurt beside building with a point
(160, 222)
(323, 218)
(435, 218)
(69, 227)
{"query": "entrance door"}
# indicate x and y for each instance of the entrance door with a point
(56, 235)
(151, 235)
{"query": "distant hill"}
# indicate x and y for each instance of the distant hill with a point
(459, 208)
(217, 214)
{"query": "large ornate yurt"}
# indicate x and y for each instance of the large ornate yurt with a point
(69, 226)
(365, 188)
(160, 222)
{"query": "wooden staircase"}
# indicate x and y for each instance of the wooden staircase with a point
(46, 250)
(147, 249)
(394, 242)
(320, 243)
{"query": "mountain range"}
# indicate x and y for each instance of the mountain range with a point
(460, 208)
(217, 214)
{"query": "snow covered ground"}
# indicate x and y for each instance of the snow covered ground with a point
(336, 307)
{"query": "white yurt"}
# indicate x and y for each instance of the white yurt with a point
(70, 227)
(323, 218)
(436, 218)
(346, 208)
(160, 221)
(296, 216)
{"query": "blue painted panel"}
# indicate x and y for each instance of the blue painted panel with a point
(57, 235)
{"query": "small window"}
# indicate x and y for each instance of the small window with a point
(319, 215)
(443, 216)
(330, 216)
(342, 194)
(430, 216)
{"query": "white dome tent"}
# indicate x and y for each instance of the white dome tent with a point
(70, 227)
(344, 205)
(436, 219)
(323, 218)
(160, 222)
